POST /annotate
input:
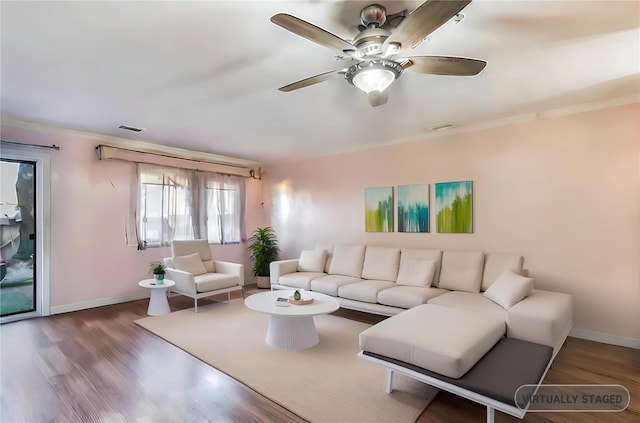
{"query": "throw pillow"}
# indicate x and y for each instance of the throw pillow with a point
(509, 289)
(190, 263)
(416, 272)
(312, 260)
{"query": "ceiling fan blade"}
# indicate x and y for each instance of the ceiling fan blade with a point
(444, 65)
(311, 32)
(428, 17)
(311, 80)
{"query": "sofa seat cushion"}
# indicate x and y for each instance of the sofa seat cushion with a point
(329, 284)
(299, 279)
(366, 291)
(544, 317)
(212, 281)
(442, 339)
(408, 296)
(470, 302)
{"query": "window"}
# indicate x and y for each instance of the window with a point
(187, 204)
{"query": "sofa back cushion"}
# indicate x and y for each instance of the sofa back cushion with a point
(495, 264)
(329, 249)
(347, 260)
(381, 263)
(416, 272)
(312, 261)
(423, 254)
(462, 271)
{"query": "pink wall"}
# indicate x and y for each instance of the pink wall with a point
(91, 259)
(564, 192)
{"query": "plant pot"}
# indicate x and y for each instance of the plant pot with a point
(159, 278)
(263, 281)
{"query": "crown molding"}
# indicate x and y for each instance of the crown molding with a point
(143, 146)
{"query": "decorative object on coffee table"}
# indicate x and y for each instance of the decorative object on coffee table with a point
(297, 299)
(263, 249)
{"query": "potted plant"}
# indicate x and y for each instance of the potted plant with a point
(263, 249)
(158, 269)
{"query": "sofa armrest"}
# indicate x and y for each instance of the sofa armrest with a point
(281, 267)
(544, 317)
(184, 281)
(229, 268)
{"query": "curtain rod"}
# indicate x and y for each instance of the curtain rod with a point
(19, 144)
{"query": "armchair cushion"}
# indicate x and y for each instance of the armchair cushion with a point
(214, 281)
(191, 263)
(200, 246)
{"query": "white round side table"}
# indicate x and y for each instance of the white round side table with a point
(158, 303)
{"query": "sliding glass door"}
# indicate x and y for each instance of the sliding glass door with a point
(25, 231)
(18, 217)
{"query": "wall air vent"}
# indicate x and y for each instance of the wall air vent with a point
(130, 128)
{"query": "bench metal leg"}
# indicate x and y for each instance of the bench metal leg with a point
(389, 387)
(490, 414)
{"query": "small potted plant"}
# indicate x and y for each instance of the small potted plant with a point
(263, 249)
(158, 269)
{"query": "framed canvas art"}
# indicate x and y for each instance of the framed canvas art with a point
(454, 207)
(413, 208)
(378, 209)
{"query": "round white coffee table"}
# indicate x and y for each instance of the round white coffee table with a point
(292, 327)
(158, 303)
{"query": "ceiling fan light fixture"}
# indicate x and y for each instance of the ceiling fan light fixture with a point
(375, 75)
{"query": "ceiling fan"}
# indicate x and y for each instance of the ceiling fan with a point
(379, 54)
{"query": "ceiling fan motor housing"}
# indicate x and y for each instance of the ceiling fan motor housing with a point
(373, 16)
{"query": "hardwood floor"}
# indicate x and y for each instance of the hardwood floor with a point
(98, 366)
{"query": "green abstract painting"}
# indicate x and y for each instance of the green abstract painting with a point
(454, 207)
(378, 209)
(413, 208)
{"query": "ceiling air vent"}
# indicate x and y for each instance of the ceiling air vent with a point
(130, 128)
(442, 127)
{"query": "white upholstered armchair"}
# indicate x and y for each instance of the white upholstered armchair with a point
(198, 275)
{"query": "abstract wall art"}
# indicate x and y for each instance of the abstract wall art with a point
(378, 209)
(413, 208)
(454, 207)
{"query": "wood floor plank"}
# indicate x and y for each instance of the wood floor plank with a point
(96, 365)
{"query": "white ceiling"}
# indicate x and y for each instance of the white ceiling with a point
(204, 75)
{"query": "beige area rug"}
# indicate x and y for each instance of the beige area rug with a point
(326, 383)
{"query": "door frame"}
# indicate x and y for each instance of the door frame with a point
(42, 271)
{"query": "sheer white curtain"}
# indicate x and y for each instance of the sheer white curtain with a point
(165, 208)
(185, 204)
(221, 219)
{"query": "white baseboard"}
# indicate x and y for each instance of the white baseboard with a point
(66, 308)
(605, 338)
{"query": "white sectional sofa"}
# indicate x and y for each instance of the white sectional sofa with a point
(387, 281)
(456, 317)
